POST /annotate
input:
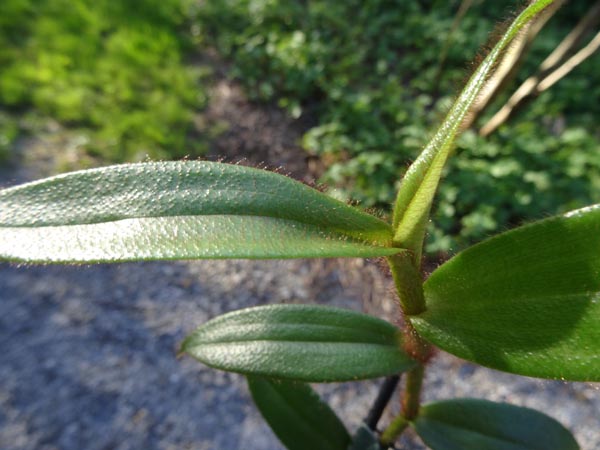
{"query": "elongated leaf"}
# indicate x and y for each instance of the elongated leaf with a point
(364, 439)
(300, 342)
(297, 415)
(418, 187)
(172, 210)
(526, 301)
(462, 424)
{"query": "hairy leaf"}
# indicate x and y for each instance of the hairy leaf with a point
(180, 210)
(300, 342)
(461, 424)
(418, 187)
(297, 415)
(526, 301)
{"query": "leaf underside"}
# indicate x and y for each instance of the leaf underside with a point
(299, 418)
(416, 193)
(180, 210)
(461, 424)
(526, 301)
(300, 342)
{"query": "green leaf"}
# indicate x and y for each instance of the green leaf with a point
(418, 187)
(526, 301)
(300, 342)
(483, 425)
(364, 439)
(180, 210)
(297, 415)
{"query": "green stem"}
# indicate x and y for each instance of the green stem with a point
(391, 433)
(411, 401)
(409, 283)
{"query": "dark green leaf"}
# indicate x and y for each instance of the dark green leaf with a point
(297, 415)
(526, 301)
(364, 439)
(463, 424)
(418, 187)
(180, 210)
(300, 342)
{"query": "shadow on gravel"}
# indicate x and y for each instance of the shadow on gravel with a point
(88, 353)
(88, 361)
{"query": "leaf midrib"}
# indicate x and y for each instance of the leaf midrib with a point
(240, 328)
(326, 232)
(253, 341)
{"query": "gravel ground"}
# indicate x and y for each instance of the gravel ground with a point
(88, 356)
(89, 353)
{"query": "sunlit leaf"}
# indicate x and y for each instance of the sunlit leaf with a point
(418, 187)
(180, 210)
(299, 418)
(462, 424)
(300, 342)
(526, 301)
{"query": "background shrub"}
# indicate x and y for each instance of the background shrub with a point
(115, 70)
(366, 70)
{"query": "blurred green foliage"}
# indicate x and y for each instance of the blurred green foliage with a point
(114, 69)
(364, 71)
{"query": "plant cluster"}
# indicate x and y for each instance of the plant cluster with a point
(524, 301)
(369, 72)
(114, 70)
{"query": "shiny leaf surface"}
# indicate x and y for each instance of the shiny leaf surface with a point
(300, 342)
(418, 187)
(462, 424)
(297, 415)
(173, 210)
(526, 301)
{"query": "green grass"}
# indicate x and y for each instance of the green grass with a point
(113, 69)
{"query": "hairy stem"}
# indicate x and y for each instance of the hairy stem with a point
(392, 432)
(411, 401)
(409, 283)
